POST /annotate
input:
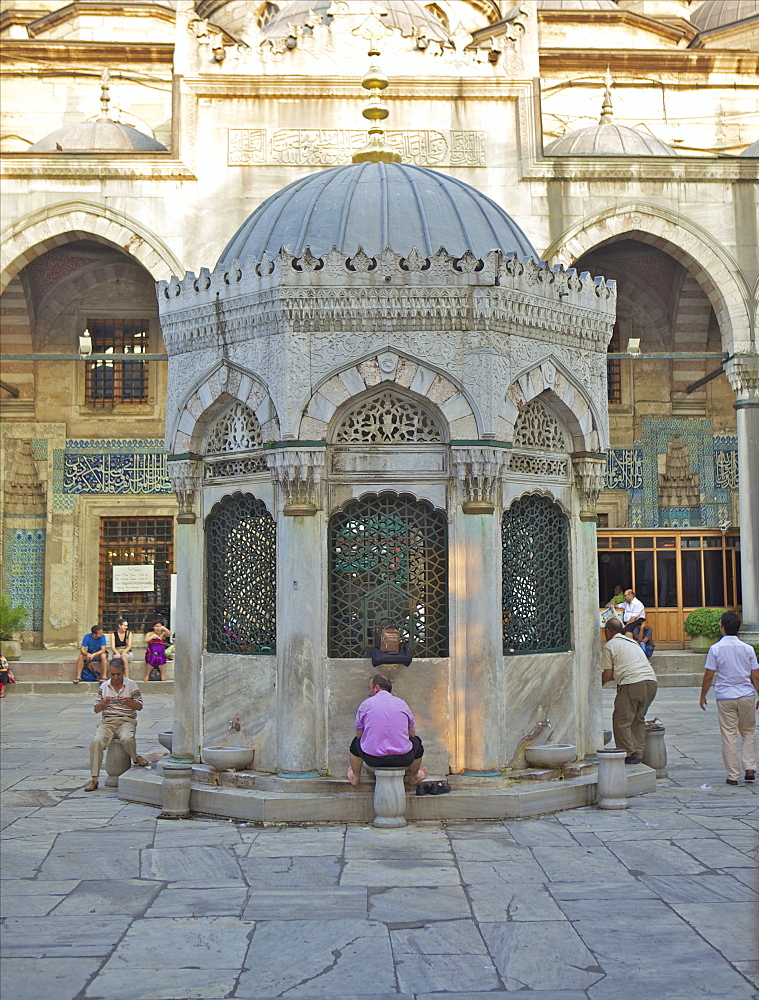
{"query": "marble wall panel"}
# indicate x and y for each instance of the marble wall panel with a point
(243, 686)
(424, 686)
(538, 686)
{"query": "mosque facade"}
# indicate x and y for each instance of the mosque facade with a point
(372, 386)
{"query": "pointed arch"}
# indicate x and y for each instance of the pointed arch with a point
(219, 388)
(710, 264)
(410, 376)
(549, 379)
(55, 225)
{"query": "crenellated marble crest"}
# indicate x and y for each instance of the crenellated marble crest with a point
(298, 474)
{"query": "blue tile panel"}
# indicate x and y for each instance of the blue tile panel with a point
(25, 568)
(713, 457)
(110, 467)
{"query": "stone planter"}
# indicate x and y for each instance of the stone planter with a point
(11, 649)
(700, 643)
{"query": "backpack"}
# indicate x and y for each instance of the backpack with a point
(388, 646)
(88, 674)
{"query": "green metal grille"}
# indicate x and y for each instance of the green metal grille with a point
(241, 571)
(388, 556)
(535, 598)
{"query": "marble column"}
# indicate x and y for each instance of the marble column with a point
(590, 473)
(186, 477)
(743, 373)
(301, 612)
(478, 680)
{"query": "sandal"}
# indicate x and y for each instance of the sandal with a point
(77, 680)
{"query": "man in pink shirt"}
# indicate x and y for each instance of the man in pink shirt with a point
(385, 734)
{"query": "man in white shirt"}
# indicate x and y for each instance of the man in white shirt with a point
(625, 662)
(118, 701)
(633, 611)
(731, 665)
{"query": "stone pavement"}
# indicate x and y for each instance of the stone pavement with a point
(101, 899)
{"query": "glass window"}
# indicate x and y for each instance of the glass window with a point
(614, 369)
(614, 570)
(136, 541)
(738, 581)
(665, 543)
(241, 574)
(666, 579)
(733, 541)
(602, 543)
(644, 543)
(712, 543)
(686, 542)
(644, 577)
(620, 543)
(713, 579)
(691, 571)
(388, 557)
(535, 544)
(110, 382)
(732, 597)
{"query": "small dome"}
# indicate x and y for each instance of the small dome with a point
(100, 136)
(752, 150)
(374, 205)
(408, 16)
(608, 139)
(720, 13)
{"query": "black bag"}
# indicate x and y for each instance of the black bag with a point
(155, 674)
(88, 674)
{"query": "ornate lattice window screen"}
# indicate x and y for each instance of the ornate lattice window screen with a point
(241, 572)
(388, 418)
(535, 597)
(388, 556)
(537, 428)
(237, 429)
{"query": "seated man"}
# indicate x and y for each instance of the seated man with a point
(93, 653)
(119, 700)
(644, 636)
(625, 662)
(633, 611)
(385, 735)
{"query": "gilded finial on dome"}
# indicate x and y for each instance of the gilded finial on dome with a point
(606, 109)
(377, 150)
(105, 97)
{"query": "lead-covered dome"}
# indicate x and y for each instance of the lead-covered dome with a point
(721, 13)
(375, 205)
(99, 136)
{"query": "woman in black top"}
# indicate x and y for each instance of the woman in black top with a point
(121, 643)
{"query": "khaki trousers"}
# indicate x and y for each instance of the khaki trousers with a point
(629, 717)
(109, 728)
(738, 715)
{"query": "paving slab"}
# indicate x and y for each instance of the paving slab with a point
(399, 907)
(307, 903)
(59, 978)
(545, 955)
(173, 902)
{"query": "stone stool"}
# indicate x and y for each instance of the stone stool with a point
(389, 797)
(655, 749)
(612, 780)
(117, 760)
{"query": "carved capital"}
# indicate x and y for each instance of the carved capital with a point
(743, 374)
(298, 473)
(590, 476)
(186, 475)
(478, 471)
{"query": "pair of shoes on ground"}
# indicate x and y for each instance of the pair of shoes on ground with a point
(633, 759)
(433, 788)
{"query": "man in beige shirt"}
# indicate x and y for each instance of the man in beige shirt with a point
(625, 662)
(118, 702)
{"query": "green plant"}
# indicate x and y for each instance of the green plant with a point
(704, 621)
(619, 599)
(756, 650)
(11, 619)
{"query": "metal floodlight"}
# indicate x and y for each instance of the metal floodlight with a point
(85, 344)
(633, 345)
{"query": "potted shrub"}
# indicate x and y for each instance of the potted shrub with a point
(11, 620)
(702, 625)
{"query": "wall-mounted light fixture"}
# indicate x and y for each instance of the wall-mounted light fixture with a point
(85, 344)
(633, 345)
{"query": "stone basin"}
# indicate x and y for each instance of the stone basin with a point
(551, 755)
(165, 740)
(228, 758)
